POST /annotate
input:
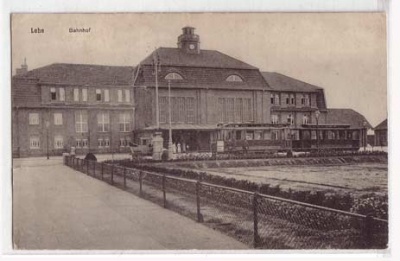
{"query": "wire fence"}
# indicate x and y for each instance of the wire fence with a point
(258, 220)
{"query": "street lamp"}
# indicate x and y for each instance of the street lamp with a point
(317, 113)
(365, 135)
(47, 124)
(170, 150)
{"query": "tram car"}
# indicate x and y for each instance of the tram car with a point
(272, 138)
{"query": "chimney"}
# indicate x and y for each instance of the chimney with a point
(188, 41)
(23, 69)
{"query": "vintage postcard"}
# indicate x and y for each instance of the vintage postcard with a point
(199, 131)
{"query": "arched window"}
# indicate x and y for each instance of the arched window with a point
(173, 76)
(234, 78)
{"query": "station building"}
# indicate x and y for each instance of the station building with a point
(102, 108)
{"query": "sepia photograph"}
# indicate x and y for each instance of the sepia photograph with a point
(199, 131)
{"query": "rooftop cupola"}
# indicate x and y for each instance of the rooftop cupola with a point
(188, 41)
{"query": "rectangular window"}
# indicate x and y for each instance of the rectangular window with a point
(249, 135)
(305, 119)
(58, 120)
(58, 142)
(272, 99)
(124, 142)
(106, 95)
(76, 94)
(290, 119)
(182, 112)
(257, 135)
(292, 99)
(98, 95)
(230, 109)
(84, 94)
(103, 122)
(274, 135)
(221, 109)
(277, 99)
(302, 100)
(81, 121)
(307, 100)
(103, 143)
(127, 95)
(190, 110)
(84, 143)
(53, 94)
(274, 119)
(119, 93)
(34, 142)
(124, 122)
(33, 118)
(239, 110)
(78, 143)
(62, 94)
(247, 110)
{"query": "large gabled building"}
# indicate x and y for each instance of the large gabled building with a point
(103, 108)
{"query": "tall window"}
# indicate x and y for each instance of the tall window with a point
(98, 95)
(230, 109)
(292, 101)
(124, 142)
(277, 99)
(181, 109)
(190, 110)
(103, 143)
(119, 93)
(272, 99)
(81, 121)
(53, 94)
(62, 94)
(247, 110)
(274, 119)
(58, 142)
(58, 120)
(305, 119)
(221, 109)
(127, 95)
(290, 119)
(33, 118)
(34, 142)
(307, 100)
(76, 94)
(82, 143)
(84, 94)
(106, 95)
(103, 122)
(239, 110)
(124, 122)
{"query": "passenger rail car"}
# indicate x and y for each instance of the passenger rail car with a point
(267, 138)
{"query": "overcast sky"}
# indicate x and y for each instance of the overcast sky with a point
(345, 53)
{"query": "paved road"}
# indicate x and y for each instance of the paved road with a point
(55, 207)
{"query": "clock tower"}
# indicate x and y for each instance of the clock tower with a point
(188, 41)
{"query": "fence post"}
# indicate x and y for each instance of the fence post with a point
(367, 231)
(199, 215)
(255, 217)
(164, 191)
(112, 174)
(124, 177)
(102, 171)
(140, 183)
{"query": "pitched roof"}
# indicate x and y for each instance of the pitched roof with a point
(82, 74)
(206, 58)
(280, 82)
(346, 117)
(382, 126)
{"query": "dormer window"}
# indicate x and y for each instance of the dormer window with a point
(173, 76)
(234, 78)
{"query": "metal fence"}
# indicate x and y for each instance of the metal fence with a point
(261, 221)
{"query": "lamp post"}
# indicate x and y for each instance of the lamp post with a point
(317, 113)
(47, 138)
(365, 135)
(170, 150)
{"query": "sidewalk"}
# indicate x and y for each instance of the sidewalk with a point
(56, 207)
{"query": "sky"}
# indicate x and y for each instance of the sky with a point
(344, 53)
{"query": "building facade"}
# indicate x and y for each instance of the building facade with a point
(381, 134)
(186, 89)
(62, 105)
